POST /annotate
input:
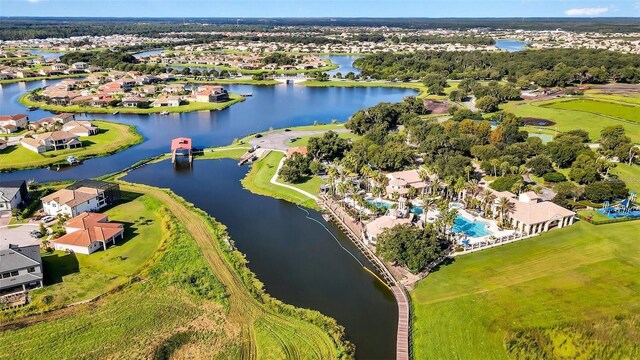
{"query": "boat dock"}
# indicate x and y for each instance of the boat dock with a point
(354, 231)
(181, 147)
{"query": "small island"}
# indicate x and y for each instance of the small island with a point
(60, 140)
(129, 93)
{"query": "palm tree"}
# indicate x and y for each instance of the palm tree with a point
(435, 187)
(468, 169)
(519, 187)
(427, 202)
(495, 163)
(487, 199)
(505, 206)
(449, 217)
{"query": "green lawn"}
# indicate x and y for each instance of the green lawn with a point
(258, 181)
(192, 106)
(75, 277)
(570, 120)
(616, 110)
(304, 140)
(629, 99)
(113, 137)
(630, 174)
(259, 71)
(571, 290)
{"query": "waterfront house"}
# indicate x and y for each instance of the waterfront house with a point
(13, 123)
(133, 101)
(89, 232)
(83, 196)
(12, 194)
(20, 269)
(80, 128)
(210, 93)
(167, 101)
(55, 140)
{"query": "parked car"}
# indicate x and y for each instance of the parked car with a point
(48, 219)
(36, 234)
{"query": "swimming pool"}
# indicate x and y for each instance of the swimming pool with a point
(470, 228)
(387, 204)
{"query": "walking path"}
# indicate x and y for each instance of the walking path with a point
(274, 180)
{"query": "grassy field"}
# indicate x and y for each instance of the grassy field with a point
(193, 106)
(304, 140)
(258, 181)
(630, 174)
(318, 127)
(113, 137)
(572, 293)
(76, 277)
(569, 119)
(616, 110)
(195, 299)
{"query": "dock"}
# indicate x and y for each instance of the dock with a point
(181, 147)
(354, 230)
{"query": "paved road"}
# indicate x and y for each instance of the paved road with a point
(18, 235)
(280, 140)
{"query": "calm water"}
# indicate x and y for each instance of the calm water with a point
(270, 107)
(510, 45)
(148, 53)
(345, 64)
(45, 54)
(298, 261)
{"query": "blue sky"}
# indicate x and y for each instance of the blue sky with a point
(321, 8)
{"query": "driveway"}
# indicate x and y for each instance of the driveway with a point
(18, 235)
(280, 140)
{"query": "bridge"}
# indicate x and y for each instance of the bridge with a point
(354, 231)
(290, 79)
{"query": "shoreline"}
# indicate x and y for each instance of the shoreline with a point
(191, 107)
(136, 138)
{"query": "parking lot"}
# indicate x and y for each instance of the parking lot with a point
(18, 235)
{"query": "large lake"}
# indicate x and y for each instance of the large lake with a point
(298, 261)
(510, 45)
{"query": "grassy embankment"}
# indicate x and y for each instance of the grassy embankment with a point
(193, 298)
(572, 293)
(193, 106)
(113, 137)
(588, 114)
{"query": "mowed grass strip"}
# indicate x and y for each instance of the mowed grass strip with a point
(580, 274)
(616, 110)
(258, 181)
(113, 137)
(571, 120)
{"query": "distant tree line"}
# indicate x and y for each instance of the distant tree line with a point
(552, 67)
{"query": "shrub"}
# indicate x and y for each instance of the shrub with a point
(505, 183)
(554, 177)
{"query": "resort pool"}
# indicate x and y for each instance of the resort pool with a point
(470, 228)
(388, 204)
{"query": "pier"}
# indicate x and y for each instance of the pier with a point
(354, 230)
(181, 147)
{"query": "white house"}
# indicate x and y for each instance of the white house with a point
(13, 123)
(531, 215)
(20, 269)
(89, 232)
(401, 181)
(74, 202)
(80, 65)
(80, 128)
(55, 140)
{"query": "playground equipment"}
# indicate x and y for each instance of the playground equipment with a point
(624, 208)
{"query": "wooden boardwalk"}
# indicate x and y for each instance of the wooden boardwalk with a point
(353, 229)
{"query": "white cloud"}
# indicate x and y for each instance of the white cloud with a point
(33, 1)
(587, 11)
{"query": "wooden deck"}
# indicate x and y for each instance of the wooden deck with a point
(353, 229)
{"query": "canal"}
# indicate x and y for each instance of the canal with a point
(297, 260)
